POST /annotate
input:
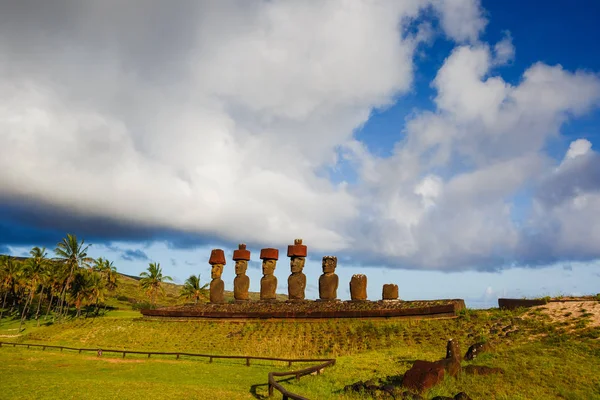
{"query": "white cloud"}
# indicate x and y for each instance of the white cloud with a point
(462, 20)
(504, 50)
(578, 148)
(222, 124)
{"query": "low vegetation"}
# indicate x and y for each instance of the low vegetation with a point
(547, 352)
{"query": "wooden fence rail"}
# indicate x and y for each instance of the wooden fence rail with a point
(273, 384)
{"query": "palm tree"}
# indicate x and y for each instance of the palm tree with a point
(108, 271)
(192, 289)
(35, 269)
(152, 281)
(81, 290)
(10, 272)
(74, 255)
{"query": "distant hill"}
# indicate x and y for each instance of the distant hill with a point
(129, 293)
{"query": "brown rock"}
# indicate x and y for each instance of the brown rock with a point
(410, 396)
(269, 254)
(296, 286)
(268, 287)
(297, 280)
(268, 283)
(451, 366)
(476, 349)
(390, 292)
(297, 249)
(452, 349)
(482, 370)
(241, 253)
(423, 375)
(241, 285)
(217, 256)
(241, 282)
(358, 287)
(217, 287)
(328, 282)
(451, 363)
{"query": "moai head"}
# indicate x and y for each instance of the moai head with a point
(269, 257)
(241, 256)
(217, 260)
(297, 252)
(329, 264)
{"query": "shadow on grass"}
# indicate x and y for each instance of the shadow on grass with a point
(260, 396)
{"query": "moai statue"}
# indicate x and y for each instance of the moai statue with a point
(241, 282)
(358, 287)
(328, 282)
(297, 280)
(268, 283)
(217, 286)
(390, 292)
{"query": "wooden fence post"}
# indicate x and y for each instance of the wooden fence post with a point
(210, 359)
(270, 390)
(247, 361)
(177, 356)
(123, 354)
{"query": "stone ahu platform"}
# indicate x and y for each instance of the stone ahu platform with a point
(313, 309)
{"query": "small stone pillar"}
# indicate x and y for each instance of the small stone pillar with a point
(217, 286)
(241, 282)
(328, 281)
(358, 287)
(297, 280)
(268, 283)
(390, 292)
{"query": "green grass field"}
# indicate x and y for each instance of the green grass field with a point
(542, 359)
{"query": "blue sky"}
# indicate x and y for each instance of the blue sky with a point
(448, 147)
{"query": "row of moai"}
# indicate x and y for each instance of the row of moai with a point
(328, 281)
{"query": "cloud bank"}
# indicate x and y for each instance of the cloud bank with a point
(224, 120)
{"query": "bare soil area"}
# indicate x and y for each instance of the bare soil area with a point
(572, 311)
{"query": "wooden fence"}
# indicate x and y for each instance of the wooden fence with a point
(273, 384)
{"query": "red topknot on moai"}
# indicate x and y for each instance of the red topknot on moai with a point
(217, 286)
(297, 280)
(268, 283)
(241, 282)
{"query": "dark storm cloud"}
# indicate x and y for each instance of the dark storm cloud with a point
(137, 255)
(26, 223)
(578, 175)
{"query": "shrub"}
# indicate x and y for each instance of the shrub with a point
(143, 305)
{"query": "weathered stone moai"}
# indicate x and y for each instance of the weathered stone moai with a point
(328, 282)
(358, 287)
(390, 292)
(268, 283)
(241, 282)
(217, 286)
(297, 280)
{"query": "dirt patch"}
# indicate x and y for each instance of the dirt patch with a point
(114, 360)
(572, 311)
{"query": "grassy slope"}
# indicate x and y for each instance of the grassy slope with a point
(128, 292)
(542, 360)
